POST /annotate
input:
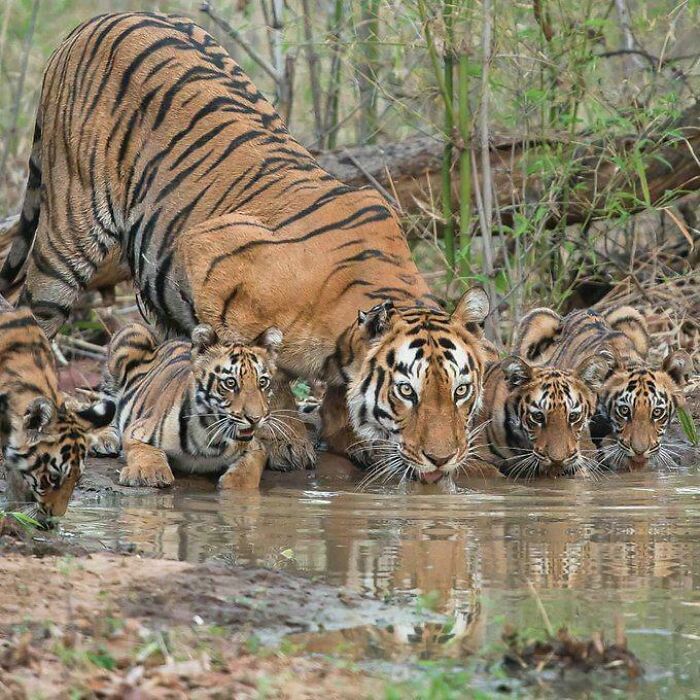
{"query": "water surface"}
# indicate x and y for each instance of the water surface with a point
(626, 545)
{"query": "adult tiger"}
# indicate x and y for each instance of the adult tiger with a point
(154, 153)
(200, 406)
(636, 401)
(535, 419)
(44, 441)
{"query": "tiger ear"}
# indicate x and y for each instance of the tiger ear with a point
(472, 308)
(203, 337)
(594, 369)
(100, 414)
(37, 418)
(678, 366)
(271, 340)
(516, 371)
(376, 320)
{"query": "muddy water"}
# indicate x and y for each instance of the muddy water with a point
(627, 545)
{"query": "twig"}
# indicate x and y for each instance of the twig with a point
(82, 345)
(540, 607)
(394, 202)
(207, 9)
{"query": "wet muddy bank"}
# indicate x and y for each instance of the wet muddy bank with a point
(124, 627)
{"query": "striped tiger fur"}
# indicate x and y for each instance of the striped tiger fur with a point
(155, 157)
(636, 402)
(200, 407)
(44, 438)
(535, 419)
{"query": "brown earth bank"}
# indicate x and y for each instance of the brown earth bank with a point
(109, 626)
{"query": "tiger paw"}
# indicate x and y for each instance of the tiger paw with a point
(291, 455)
(246, 473)
(238, 480)
(156, 474)
(106, 443)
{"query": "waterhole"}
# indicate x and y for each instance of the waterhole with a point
(626, 546)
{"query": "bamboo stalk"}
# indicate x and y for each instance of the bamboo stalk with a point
(312, 59)
(330, 122)
(465, 168)
(447, 201)
(487, 183)
(14, 120)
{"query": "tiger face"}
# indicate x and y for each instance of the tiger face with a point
(636, 407)
(413, 395)
(546, 412)
(45, 457)
(234, 382)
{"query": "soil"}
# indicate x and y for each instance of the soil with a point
(113, 626)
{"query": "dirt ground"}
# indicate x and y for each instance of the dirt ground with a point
(112, 626)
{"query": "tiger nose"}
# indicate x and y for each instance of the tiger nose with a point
(253, 420)
(438, 460)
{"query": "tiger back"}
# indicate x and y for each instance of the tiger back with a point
(44, 439)
(199, 406)
(636, 402)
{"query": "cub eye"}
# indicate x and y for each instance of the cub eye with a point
(574, 416)
(537, 417)
(264, 382)
(406, 390)
(623, 411)
(230, 383)
(657, 413)
(462, 391)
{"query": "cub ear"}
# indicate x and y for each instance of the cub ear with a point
(100, 414)
(376, 320)
(594, 369)
(472, 308)
(38, 417)
(271, 340)
(678, 366)
(517, 372)
(203, 337)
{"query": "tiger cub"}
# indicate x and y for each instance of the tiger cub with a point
(636, 402)
(197, 406)
(44, 438)
(535, 418)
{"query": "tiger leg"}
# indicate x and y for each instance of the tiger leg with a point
(290, 447)
(145, 465)
(54, 282)
(336, 430)
(246, 472)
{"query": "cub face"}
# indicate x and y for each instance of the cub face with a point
(234, 380)
(45, 455)
(637, 407)
(548, 410)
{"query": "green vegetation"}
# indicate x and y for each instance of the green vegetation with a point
(554, 122)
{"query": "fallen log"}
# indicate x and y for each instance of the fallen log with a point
(666, 166)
